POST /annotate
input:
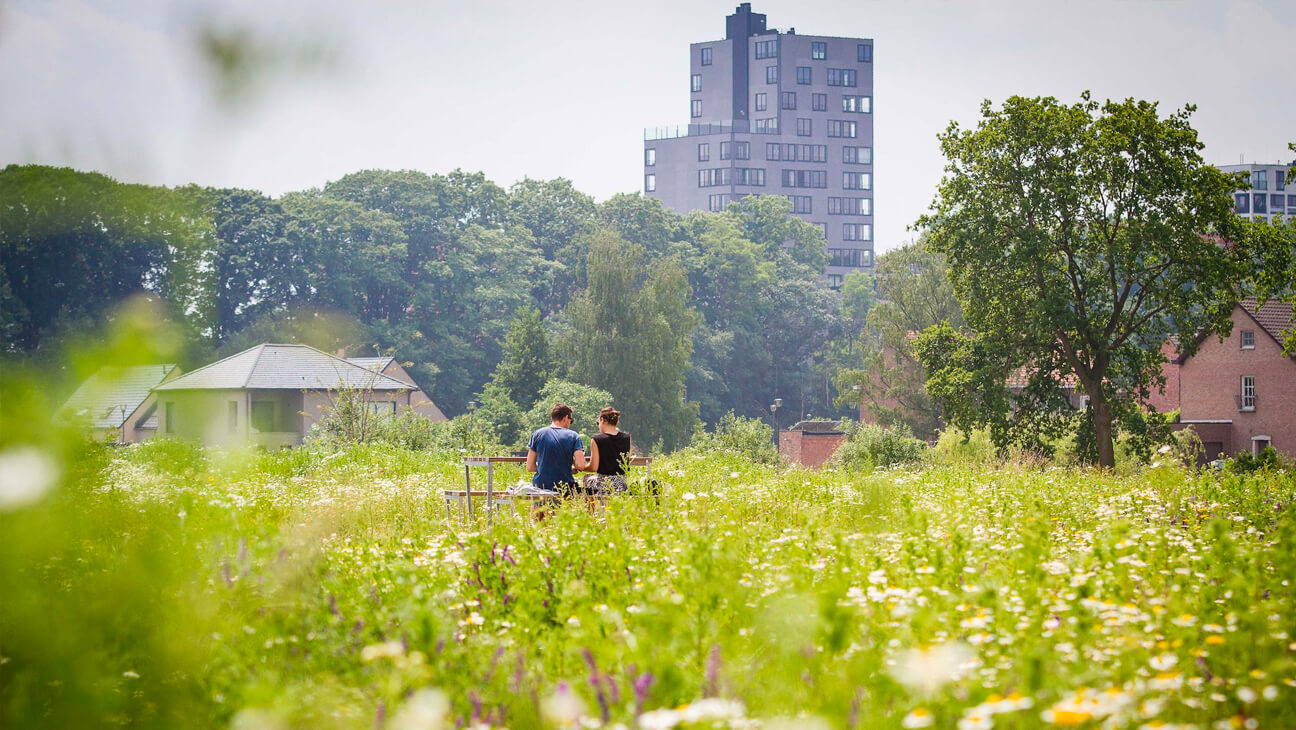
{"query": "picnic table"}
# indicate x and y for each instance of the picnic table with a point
(464, 497)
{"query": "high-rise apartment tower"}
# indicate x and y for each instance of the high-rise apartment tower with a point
(773, 113)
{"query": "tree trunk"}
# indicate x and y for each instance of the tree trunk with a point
(1102, 423)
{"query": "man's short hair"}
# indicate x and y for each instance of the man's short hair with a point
(559, 412)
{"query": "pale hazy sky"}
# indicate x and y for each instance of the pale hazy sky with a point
(564, 89)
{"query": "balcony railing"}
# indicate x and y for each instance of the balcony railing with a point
(701, 129)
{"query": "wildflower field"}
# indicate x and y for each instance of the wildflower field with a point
(165, 586)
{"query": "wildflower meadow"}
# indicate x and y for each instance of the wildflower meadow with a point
(164, 585)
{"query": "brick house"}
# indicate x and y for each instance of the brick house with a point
(810, 443)
(1239, 394)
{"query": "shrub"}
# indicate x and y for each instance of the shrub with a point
(958, 447)
(1244, 463)
(749, 437)
(870, 445)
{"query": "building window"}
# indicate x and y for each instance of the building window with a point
(819, 102)
(261, 416)
(1291, 203)
(841, 77)
(864, 53)
(753, 176)
(1279, 179)
(857, 104)
(712, 177)
(704, 152)
(852, 257)
(857, 232)
(1248, 339)
(805, 179)
(1260, 180)
(735, 150)
(169, 408)
(650, 157)
(771, 74)
(697, 82)
(818, 50)
(1243, 202)
(232, 416)
(1260, 443)
(706, 56)
(857, 181)
(823, 229)
(1276, 202)
(767, 49)
(801, 203)
(1258, 201)
(765, 126)
(761, 103)
(834, 281)
(716, 203)
(857, 155)
(838, 128)
(850, 206)
(1247, 398)
(650, 183)
(695, 108)
(803, 127)
(804, 75)
(787, 100)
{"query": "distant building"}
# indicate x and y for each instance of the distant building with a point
(811, 443)
(1239, 394)
(775, 113)
(389, 366)
(1272, 194)
(271, 396)
(117, 403)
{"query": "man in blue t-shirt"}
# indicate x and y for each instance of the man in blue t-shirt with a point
(553, 450)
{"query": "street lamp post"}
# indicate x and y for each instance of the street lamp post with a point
(777, 404)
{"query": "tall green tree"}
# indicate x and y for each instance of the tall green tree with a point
(1080, 238)
(631, 335)
(528, 361)
(913, 293)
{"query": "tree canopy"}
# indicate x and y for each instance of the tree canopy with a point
(1080, 239)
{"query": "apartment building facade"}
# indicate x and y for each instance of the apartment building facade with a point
(1272, 194)
(776, 113)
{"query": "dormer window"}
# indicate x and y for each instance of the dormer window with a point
(1248, 339)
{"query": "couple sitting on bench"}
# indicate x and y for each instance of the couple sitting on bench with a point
(554, 450)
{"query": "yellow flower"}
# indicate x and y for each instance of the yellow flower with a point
(1214, 640)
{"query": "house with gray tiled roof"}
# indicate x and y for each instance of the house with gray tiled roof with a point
(271, 395)
(393, 368)
(118, 403)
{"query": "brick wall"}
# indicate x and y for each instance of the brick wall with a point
(808, 449)
(1210, 383)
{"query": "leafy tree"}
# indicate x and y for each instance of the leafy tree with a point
(914, 293)
(559, 218)
(1273, 248)
(1080, 238)
(528, 362)
(631, 335)
(643, 221)
(586, 402)
(74, 246)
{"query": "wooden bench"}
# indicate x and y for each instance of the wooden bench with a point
(464, 497)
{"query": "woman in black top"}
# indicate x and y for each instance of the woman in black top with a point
(609, 455)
